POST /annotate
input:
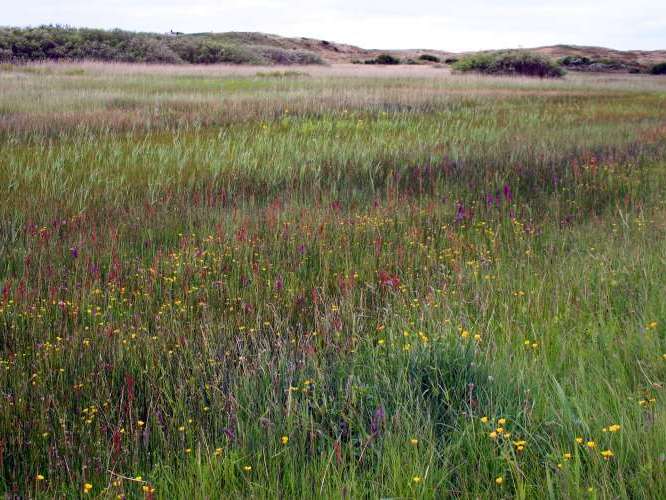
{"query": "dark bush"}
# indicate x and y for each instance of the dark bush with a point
(451, 60)
(658, 69)
(510, 63)
(574, 61)
(429, 58)
(383, 59)
(57, 42)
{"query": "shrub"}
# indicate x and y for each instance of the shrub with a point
(383, 59)
(659, 69)
(451, 60)
(574, 61)
(510, 63)
(56, 42)
(429, 58)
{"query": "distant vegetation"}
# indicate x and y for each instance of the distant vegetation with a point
(659, 69)
(510, 63)
(583, 63)
(62, 43)
(429, 58)
(384, 59)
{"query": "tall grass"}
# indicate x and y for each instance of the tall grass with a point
(331, 286)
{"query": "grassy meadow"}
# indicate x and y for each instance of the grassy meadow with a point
(335, 282)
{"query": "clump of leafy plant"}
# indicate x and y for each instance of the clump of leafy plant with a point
(429, 58)
(384, 59)
(510, 63)
(659, 69)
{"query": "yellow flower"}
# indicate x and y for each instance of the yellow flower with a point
(140, 423)
(499, 480)
(284, 439)
(492, 435)
(218, 452)
(607, 454)
(247, 468)
(652, 325)
(579, 440)
(87, 487)
(614, 428)
(591, 444)
(416, 479)
(40, 477)
(414, 441)
(501, 421)
(567, 456)
(484, 420)
(138, 478)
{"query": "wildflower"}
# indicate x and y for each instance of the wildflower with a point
(416, 479)
(652, 325)
(218, 452)
(614, 428)
(493, 435)
(484, 420)
(591, 444)
(148, 489)
(499, 480)
(414, 441)
(607, 454)
(477, 337)
(87, 487)
(40, 477)
(247, 468)
(501, 421)
(567, 456)
(579, 440)
(284, 440)
(181, 428)
(140, 423)
(188, 450)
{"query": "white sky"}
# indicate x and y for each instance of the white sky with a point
(386, 24)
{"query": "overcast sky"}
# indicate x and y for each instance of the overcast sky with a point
(448, 25)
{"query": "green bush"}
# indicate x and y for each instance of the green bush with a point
(659, 69)
(574, 61)
(429, 57)
(510, 63)
(56, 42)
(383, 59)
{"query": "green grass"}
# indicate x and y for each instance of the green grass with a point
(195, 266)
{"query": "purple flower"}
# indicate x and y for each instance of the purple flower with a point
(461, 213)
(74, 252)
(508, 196)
